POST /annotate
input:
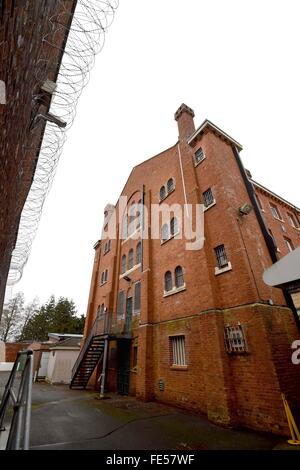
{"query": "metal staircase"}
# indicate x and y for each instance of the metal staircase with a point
(88, 359)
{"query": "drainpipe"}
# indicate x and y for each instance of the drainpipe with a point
(104, 368)
(268, 239)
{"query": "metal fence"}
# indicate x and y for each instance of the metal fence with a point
(19, 396)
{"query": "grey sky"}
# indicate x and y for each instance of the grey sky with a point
(234, 62)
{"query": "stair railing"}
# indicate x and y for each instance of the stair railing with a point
(18, 437)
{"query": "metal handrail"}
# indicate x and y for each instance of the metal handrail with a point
(18, 438)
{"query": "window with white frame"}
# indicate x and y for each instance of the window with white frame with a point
(130, 258)
(235, 339)
(177, 349)
(170, 185)
(208, 197)
(165, 233)
(123, 264)
(168, 281)
(199, 156)
(179, 279)
(292, 220)
(162, 193)
(173, 226)
(289, 244)
(139, 253)
(275, 211)
(221, 256)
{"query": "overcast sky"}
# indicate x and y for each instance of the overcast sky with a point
(234, 62)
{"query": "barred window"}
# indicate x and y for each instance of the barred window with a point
(139, 253)
(165, 232)
(221, 256)
(199, 156)
(208, 197)
(137, 297)
(130, 259)
(162, 193)
(235, 339)
(121, 304)
(275, 211)
(178, 356)
(123, 264)
(179, 279)
(168, 281)
(170, 185)
(174, 226)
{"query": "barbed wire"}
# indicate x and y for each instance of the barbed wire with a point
(85, 29)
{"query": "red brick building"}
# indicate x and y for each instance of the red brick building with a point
(197, 328)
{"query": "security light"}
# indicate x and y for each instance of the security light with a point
(245, 209)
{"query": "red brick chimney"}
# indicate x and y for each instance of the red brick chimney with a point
(185, 119)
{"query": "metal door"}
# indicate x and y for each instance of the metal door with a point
(123, 366)
(43, 364)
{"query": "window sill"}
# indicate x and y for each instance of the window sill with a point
(277, 218)
(208, 207)
(162, 242)
(170, 192)
(223, 270)
(131, 236)
(174, 291)
(103, 283)
(199, 163)
(136, 266)
(177, 367)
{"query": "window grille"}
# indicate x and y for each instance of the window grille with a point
(178, 357)
(199, 156)
(208, 197)
(121, 304)
(165, 232)
(123, 264)
(168, 281)
(162, 193)
(174, 226)
(235, 339)
(221, 256)
(179, 279)
(130, 259)
(139, 253)
(137, 297)
(170, 185)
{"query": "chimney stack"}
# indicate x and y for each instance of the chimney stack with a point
(185, 120)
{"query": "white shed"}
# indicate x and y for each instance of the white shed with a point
(62, 358)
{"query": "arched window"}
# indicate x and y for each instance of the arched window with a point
(109, 245)
(168, 281)
(105, 275)
(179, 280)
(131, 218)
(98, 311)
(162, 193)
(170, 185)
(139, 214)
(123, 264)
(102, 278)
(130, 259)
(139, 253)
(165, 232)
(174, 226)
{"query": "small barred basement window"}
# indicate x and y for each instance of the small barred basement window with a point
(235, 339)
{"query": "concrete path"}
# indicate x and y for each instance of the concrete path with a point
(71, 419)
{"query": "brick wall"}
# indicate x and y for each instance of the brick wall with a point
(23, 25)
(12, 349)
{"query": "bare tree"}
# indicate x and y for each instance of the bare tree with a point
(30, 310)
(12, 317)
